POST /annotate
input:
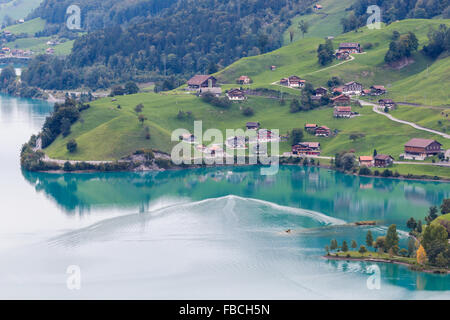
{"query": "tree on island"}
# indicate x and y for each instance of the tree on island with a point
(392, 239)
(334, 245)
(354, 245)
(344, 246)
(362, 249)
(421, 255)
(369, 239)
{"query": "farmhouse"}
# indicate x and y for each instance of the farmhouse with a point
(342, 112)
(342, 55)
(252, 125)
(321, 91)
(293, 82)
(264, 134)
(273, 68)
(323, 131)
(311, 127)
(387, 103)
(383, 160)
(366, 161)
(351, 47)
(341, 99)
(236, 95)
(422, 147)
(377, 90)
(352, 88)
(317, 7)
(306, 148)
(244, 80)
(202, 81)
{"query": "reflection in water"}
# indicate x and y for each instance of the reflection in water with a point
(315, 189)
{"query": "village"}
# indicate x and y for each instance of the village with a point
(342, 99)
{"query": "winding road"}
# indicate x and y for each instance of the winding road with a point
(377, 109)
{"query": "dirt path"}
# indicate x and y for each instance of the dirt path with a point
(377, 109)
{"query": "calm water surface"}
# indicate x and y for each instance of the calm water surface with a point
(209, 233)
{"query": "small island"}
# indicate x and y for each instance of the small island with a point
(428, 246)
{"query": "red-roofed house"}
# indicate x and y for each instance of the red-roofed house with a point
(244, 80)
(323, 131)
(342, 112)
(366, 161)
(341, 99)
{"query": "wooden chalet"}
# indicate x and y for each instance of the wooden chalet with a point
(351, 47)
(322, 131)
(202, 81)
(377, 90)
(383, 160)
(306, 148)
(341, 99)
(321, 91)
(236, 95)
(342, 112)
(244, 80)
(422, 147)
(352, 88)
(387, 103)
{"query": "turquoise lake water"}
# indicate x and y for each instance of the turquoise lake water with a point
(206, 233)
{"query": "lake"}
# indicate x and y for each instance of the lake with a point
(204, 233)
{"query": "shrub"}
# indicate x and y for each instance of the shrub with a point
(248, 112)
(362, 249)
(72, 146)
(364, 171)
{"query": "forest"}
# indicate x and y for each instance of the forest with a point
(186, 38)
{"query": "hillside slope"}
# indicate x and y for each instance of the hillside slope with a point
(108, 132)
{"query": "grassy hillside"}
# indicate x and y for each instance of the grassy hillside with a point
(18, 9)
(433, 118)
(37, 45)
(108, 132)
(413, 82)
(322, 23)
(29, 27)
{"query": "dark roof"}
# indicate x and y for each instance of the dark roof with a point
(199, 79)
(349, 45)
(420, 143)
(383, 157)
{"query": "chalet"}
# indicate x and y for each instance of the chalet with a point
(293, 82)
(244, 80)
(383, 160)
(387, 103)
(236, 95)
(422, 147)
(264, 134)
(318, 7)
(273, 68)
(50, 51)
(377, 90)
(323, 131)
(366, 92)
(252, 125)
(338, 90)
(366, 161)
(341, 99)
(352, 88)
(342, 112)
(351, 47)
(202, 81)
(311, 127)
(321, 91)
(306, 148)
(342, 55)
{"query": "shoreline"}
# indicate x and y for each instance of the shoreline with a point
(198, 166)
(380, 260)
